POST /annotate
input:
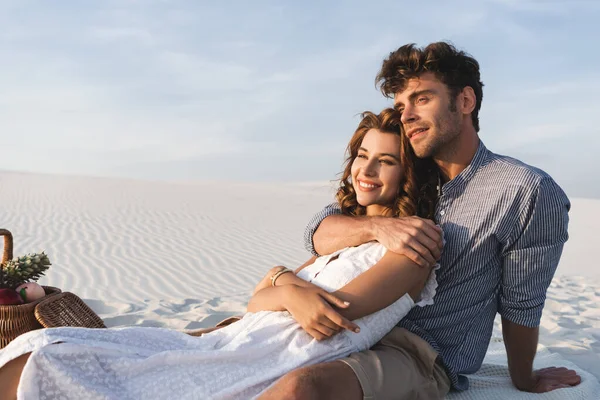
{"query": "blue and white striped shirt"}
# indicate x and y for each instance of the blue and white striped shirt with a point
(505, 224)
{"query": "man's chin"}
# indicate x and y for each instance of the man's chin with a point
(423, 154)
(423, 151)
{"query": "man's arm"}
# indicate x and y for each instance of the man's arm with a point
(521, 344)
(416, 238)
(339, 231)
(530, 258)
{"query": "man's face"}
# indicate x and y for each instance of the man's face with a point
(429, 115)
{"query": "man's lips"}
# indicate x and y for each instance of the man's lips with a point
(416, 132)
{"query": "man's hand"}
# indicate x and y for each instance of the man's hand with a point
(312, 309)
(548, 379)
(416, 238)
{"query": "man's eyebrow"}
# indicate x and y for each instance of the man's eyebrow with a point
(414, 95)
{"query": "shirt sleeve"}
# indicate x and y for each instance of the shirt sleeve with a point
(531, 257)
(313, 225)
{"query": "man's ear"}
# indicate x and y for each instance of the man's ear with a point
(467, 100)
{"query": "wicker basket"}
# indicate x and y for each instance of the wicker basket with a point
(18, 319)
(66, 309)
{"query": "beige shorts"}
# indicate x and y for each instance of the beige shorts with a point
(400, 366)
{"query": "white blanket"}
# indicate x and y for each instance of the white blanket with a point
(492, 381)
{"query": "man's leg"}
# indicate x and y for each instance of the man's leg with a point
(10, 374)
(332, 380)
(401, 366)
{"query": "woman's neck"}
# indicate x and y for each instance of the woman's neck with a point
(378, 210)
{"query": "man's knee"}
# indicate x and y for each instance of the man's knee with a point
(321, 381)
(299, 384)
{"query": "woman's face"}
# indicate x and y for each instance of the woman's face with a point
(376, 171)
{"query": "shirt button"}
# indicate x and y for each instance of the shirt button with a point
(442, 212)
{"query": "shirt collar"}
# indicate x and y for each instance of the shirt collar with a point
(467, 174)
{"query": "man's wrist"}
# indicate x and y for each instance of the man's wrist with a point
(524, 384)
(372, 232)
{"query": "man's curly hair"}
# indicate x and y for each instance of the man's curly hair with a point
(456, 69)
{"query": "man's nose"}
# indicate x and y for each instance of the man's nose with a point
(408, 115)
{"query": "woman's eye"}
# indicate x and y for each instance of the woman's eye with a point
(386, 162)
(361, 156)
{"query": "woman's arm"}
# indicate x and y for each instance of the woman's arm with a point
(381, 285)
(311, 307)
(378, 287)
(285, 279)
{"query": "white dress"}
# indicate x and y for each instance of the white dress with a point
(236, 362)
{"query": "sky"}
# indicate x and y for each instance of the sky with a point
(272, 90)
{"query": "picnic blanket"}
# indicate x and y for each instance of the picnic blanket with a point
(492, 381)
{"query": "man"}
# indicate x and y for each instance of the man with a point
(504, 222)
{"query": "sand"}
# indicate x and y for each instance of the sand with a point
(186, 255)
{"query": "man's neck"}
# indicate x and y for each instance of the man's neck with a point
(458, 155)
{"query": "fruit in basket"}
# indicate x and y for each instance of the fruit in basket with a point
(9, 297)
(30, 291)
(24, 269)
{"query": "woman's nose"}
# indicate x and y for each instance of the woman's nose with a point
(369, 169)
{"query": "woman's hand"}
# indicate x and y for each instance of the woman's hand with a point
(313, 309)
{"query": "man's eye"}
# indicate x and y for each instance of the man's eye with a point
(421, 100)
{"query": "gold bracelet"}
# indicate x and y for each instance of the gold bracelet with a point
(276, 275)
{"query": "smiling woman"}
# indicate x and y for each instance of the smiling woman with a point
(376, 171)
(381, 166)
(290, 323)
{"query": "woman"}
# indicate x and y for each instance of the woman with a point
(377, 289)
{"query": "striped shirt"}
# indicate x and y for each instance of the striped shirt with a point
(505, 224)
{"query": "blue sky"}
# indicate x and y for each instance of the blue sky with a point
(271, 90)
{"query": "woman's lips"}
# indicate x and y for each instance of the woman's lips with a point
(367, 186)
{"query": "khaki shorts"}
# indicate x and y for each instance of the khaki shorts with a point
(401, 366)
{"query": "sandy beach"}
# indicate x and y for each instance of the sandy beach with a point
(186, 255)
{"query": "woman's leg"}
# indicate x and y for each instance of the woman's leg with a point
(10, 375)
